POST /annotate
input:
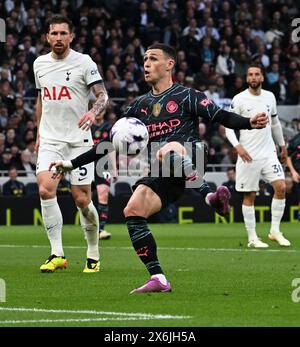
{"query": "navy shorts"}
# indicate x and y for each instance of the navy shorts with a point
(169, 189)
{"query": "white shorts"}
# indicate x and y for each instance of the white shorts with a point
(249, 174)
(63, 151)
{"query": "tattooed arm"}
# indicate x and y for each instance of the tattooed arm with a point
(88, 118)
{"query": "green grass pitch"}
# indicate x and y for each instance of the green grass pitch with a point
(216, 280)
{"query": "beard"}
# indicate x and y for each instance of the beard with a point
(59, 50)
(255, 85)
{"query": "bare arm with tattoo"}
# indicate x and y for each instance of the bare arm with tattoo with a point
(86, 121)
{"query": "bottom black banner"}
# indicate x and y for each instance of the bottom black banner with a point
(146, 336)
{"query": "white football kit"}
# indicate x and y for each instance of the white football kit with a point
(257, 142)
(65, 88)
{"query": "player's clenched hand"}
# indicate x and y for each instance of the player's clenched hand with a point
(60, 167)
(259, 121)
(283, 155)
(243, 154)
(86, 121)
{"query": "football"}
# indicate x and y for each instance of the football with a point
(129, 136)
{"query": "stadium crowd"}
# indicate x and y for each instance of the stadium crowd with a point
(215, 40)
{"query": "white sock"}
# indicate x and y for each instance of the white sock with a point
(89, 221)
(250, 222)
(277, 210)
(161, 277)
(53, 221)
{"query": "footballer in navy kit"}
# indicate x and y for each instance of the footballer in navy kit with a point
(170, 112)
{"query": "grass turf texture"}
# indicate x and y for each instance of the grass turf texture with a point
(216, 280)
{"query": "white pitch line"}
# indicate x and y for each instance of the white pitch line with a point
(93, 312)
(69, 320)
(37, 246)
(169, 249)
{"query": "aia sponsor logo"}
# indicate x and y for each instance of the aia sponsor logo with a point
(172, 106)
(56, 93)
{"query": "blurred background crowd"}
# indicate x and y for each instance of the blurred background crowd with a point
(216, 40)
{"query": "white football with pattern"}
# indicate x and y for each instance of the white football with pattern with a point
(129, 136)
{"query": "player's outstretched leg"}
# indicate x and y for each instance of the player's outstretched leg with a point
(183, 164)
(145, 247)
(219, 200)
(143, 203)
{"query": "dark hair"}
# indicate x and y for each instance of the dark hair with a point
(230, 168)
(258, 66)
(168, 50)
(59, 19)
